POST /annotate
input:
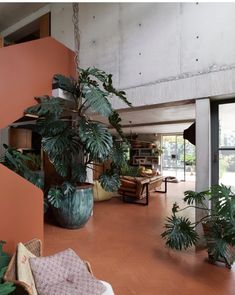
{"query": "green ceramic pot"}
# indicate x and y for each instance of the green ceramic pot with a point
(76, 210)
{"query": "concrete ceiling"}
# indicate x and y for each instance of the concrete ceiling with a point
(10, 13)
(168, 119)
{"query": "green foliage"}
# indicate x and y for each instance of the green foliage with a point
(47, 106)
(219, 221)
(71, 138)
(79, 172)
(110, 181)
(97, 100)
(118, 154)
(115, 121)
(190, 159)
(5, 288)
(97, 140)
(19, 163)
(127, 170)
(54, 196)
(57, 193)
(192, 197)
(180, 233)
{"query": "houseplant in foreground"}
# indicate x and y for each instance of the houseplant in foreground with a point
(5, 288)
(73, 141)
(218, 224)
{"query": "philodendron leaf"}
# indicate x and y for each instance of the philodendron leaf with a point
(110, 181)
(96, 138)
(192, 197)
(55, 196)
(180, 233)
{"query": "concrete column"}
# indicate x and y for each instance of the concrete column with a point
(203, 152)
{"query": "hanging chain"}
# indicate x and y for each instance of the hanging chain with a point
(76, 35)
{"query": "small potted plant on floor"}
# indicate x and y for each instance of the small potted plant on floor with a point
(218, 224)
(73, 141)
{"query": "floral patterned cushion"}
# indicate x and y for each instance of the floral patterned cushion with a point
(23, 268)
(64, 273)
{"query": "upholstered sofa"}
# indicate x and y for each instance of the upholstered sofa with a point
(136, 189)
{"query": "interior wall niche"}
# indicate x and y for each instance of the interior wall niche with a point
(37, 29)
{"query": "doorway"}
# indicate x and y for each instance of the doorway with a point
(223, 143)
(178, 159)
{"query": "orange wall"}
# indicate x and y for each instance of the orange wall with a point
(21, 209)
(26, 71)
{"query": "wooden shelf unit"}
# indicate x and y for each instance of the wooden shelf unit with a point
(143, 157)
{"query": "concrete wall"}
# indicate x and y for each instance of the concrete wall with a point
(161, 52)
(157, 52)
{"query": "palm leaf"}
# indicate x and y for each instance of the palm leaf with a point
(97, 139)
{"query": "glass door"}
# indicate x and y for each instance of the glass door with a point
(178, 159)
(223, 143)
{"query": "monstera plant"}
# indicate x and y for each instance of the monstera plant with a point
(73, 141)
(218, 224)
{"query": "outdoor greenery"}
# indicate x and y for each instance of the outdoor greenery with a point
(218, 222)
(72, 139)
(5, 288)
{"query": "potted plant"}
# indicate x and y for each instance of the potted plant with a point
(218, 224)
(5, 287)
(20, 163)
(73, 141)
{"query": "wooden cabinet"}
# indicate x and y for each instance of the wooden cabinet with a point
(20, 138)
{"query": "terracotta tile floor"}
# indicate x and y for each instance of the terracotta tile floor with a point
(123, 244)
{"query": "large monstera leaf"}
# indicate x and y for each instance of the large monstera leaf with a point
(96, 138)
(47, 106)
(60, 148)
(110, 181)
(96, 99)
